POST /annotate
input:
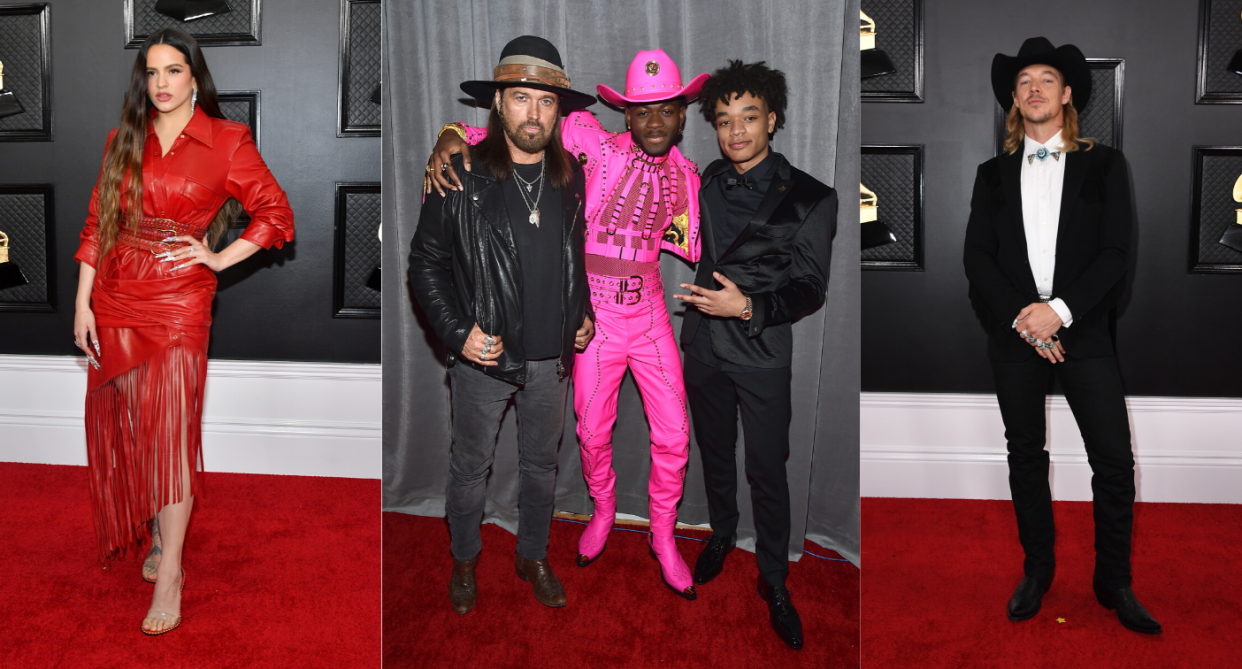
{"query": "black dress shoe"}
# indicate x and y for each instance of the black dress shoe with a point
(781, 613)
(711, 560)
(1028, 597)
(1132, 614)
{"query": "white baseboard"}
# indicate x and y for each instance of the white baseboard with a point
(309, 419)
(953, 446)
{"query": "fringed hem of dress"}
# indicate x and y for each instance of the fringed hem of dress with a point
(136, 423)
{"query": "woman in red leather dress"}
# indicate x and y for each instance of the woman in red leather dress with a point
(146, 282)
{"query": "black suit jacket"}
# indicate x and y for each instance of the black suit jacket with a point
(780, 260)
(1093, 249)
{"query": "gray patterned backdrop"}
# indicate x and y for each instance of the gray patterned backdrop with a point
(23, 219)
(895, 32)
(1216, 208)
(364, 65)
(237, 21)
(1224, 37)
(894, 178)
(21, 52)
(362, 250)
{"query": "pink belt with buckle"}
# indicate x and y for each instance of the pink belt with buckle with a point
(625, 290)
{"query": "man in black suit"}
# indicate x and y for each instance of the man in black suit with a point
(767, 232)
(1046, 252)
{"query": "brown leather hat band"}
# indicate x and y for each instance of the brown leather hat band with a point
(532, 73)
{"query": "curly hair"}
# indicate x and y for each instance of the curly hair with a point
(729, 83)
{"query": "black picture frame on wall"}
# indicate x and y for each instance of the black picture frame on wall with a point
(359, 69)
(895, 173)
(28, 217)
(356, 250)
(244, 107)
(1102, 120)
(239, 27)
(1212, 209)
(26, 46)
(899, 34)
(1220, 42)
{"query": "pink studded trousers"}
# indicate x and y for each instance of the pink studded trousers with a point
(632, 331)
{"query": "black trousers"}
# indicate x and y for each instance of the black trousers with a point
(1095, 395)
(763, 397)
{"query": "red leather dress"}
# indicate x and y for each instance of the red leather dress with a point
(144, 405)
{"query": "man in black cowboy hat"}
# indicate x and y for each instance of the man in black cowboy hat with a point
(498, 268)
(1046, 253)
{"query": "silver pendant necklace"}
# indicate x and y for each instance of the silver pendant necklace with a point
(532, 205)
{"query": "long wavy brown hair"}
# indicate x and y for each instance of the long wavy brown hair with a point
(1070, 141)
(120, 184)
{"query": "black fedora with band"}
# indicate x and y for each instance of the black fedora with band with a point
(529, 62)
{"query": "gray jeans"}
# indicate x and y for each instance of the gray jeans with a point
(478, 403)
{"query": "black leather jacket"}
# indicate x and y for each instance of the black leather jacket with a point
(464, 269)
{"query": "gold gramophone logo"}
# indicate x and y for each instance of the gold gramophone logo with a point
(1233, 233)
(653, 68)
(1237, 197)
(9, 106)
(874, 62)
(10, 274)
(869, 210)
(874, 231)
(866, 37)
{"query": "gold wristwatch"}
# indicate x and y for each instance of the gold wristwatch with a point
(748, 311)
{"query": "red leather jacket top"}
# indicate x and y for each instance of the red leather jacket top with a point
(210, 161)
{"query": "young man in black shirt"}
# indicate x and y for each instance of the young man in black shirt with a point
(767, 232)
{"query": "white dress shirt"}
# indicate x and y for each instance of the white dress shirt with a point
(1041, 214)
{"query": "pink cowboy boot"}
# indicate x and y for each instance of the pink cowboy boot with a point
(664, 490)
(602, 481)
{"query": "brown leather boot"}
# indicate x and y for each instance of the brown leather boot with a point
(462, 588)
(548, 588)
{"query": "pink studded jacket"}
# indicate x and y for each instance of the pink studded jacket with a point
(636, 204)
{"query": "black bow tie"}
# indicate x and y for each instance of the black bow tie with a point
(731, 183)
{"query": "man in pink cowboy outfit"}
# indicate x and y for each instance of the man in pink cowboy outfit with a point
(642, 197)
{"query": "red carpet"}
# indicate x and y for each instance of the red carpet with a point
(619, 613)
(939, 573)
(281, 571)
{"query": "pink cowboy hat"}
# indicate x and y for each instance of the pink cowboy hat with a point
(653, 76)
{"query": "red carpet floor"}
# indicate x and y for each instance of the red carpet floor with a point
(939, 573)
(281, 571)
(619, 613)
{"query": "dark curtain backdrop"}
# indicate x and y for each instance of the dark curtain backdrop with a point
(433, 46)
(277, 304)
(1192, 319)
